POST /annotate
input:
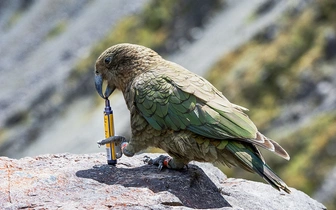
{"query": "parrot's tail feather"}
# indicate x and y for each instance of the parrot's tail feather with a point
(266, 145)
(269, 144)
(268, 175)
(279, 150)
(252, 162)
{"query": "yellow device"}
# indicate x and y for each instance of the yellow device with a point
(109, 131)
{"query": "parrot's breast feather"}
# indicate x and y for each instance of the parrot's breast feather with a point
(179, 99)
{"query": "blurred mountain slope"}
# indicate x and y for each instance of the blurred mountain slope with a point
(286, 76)
(38, 52)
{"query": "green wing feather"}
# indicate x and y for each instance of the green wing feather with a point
(174, 98)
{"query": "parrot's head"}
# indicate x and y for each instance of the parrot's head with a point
(120, 64)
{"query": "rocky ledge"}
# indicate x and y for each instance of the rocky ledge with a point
(68, 181)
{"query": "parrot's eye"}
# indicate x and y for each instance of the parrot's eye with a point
(108, 60)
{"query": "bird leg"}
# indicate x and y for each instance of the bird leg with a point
(165, 161)
(126, 147)
(120, 142)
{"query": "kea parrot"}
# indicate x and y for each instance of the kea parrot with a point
(181, 113)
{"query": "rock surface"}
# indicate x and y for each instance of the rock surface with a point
(67, 181)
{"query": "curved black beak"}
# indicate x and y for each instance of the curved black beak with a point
(99, 87)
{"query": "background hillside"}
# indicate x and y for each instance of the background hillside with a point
(277, 58)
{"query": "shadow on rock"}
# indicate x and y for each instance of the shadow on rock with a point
(192, 186)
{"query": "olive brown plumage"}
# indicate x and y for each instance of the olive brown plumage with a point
(182, 113)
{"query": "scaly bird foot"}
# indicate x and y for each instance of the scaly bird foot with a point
(120, 143)
(113, 139)
(166, 161)
(161, 161)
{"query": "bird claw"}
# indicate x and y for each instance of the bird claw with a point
(112, 139)
(160, 166)
(117, 140)
(148, 160)
(161, 161)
